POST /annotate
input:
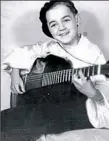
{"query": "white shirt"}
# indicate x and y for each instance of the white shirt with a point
(23, 58)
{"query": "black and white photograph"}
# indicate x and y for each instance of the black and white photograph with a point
(55, 70)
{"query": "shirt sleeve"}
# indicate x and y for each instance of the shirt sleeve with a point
(100, 81)
(98, 111)
(24, 57)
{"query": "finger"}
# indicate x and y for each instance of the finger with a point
(78, 87)
(17, 89)
(100, 78)
(77, 83)
(78, 80)
(81, 74)
(22, 87)
(13, 90)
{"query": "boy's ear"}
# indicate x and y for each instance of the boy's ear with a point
(78, 19)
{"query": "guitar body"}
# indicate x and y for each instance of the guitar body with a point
(64, 95)
(55, 93)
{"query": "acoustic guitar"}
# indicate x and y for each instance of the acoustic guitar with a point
(58, 70)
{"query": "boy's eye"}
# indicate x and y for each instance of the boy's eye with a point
(53, 25)
(66, 20)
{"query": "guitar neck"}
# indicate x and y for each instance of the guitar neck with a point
(66, 75)
(44, 79)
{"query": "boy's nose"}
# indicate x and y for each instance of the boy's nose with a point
(61, 27)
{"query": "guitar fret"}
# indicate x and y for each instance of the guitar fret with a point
(66, 75)
(69, 75)
(58, 77)
(55, 77)
(93, 70)
(98, 69)
(48, 76)
(50, 79)
(63, 75)
(88, 72)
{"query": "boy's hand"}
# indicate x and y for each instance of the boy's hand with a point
(17, 85)
(86, 86)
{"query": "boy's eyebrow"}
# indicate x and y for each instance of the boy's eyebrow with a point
(67, 16)
(51, 22)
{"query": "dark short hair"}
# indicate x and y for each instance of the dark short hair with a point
(47, 6)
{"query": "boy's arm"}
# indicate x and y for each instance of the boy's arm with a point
(23, 58)
(17, 85)
(20, 60)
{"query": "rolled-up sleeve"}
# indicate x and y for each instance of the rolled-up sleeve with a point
(23, 58)
(98, 111)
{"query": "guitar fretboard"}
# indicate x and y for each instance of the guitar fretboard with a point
(50, 78)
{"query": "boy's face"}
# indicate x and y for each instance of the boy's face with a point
(62, 24)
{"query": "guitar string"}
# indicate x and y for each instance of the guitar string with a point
(55, 72)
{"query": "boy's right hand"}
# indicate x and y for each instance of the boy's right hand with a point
(17, 85)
